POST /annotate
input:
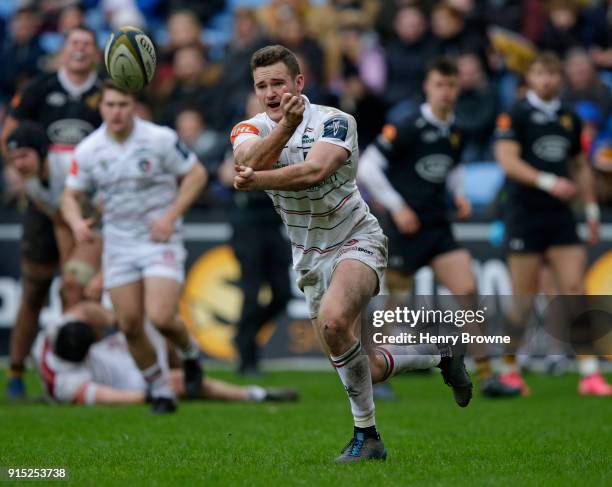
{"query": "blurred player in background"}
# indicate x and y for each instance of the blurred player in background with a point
(305, 157)
(65, 104)
(408, 170)
(537, 141)
(83, 359)
(146, 179)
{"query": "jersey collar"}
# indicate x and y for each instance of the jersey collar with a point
(550, 108)
(428, 115)
(75, 91)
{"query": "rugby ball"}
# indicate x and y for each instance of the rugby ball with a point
(129, 56)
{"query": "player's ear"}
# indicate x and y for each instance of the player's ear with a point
(299, 83)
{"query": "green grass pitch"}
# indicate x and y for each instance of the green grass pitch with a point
(553, 437)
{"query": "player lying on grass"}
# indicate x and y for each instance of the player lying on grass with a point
(305, 157)
(83, 359)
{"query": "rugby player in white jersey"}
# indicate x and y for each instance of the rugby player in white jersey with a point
(305, 157)
(82, 359)
(146, 180)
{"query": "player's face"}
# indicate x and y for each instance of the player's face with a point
(117, 111)
(25, 161)
(441, 91)
(271, 82)
(544, 80)
(80, 52)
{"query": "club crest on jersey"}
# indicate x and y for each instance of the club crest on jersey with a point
(336, 128)
(144, 165)
(455, 140)
(566, 122)
(92, 101)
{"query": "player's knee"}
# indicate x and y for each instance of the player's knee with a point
(34, 293)
(573, 288)
(163, 320)
(132, 327)
(333, 326)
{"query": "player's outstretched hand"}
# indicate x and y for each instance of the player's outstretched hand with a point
(162, 229)
(464, 207)
(292, 107)
(406, 220)
(82, 230)
(564, 189)
(244, 180)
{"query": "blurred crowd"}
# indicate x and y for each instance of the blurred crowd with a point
(366, 57)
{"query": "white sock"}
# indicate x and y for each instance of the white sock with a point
(354, 370)
(256, 393)
(587, 365)
(403, 358)
(156, 378)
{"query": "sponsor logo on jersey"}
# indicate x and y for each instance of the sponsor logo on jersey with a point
(539, 118)
(69, 131)
(56, 99)
(307, 139)
(429, 136)
(434, 168)
(243, 128)
(551, 148)
(336, 128)
(144, 165)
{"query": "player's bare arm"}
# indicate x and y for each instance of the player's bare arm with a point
(190, 186)
(263, 153)
(507, 152)
(323, 160)
(71, 211)
(586, 188)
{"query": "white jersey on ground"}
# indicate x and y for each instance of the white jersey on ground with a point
(107, 363)
(321, 218)
(48, 194)
(136, 180)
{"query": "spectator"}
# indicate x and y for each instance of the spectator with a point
(561, 31)
(293, 36)
(194, 84)
(406, 59)
(203, 10)
(476, 108)
(236, 67)
(210, 146)
(451, 36)
(21, 53)
(583, 82)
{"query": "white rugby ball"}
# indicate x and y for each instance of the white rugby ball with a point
(129, 56)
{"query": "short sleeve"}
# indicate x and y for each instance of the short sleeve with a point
(244, 131)
(79, 175)
(24, 104)
(391, 139)
(178, 158)
(509, 125)
(340, 130)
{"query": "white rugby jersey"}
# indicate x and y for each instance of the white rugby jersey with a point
(64, 381)
(318, 219)
(136, 180)
(48, 195)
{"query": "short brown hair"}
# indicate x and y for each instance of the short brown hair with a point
(549, 60)
(444, 65)
(266, 56)
(110, 85)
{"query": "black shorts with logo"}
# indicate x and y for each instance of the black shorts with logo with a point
(38, 238)
(533, 232)
(408, 253)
